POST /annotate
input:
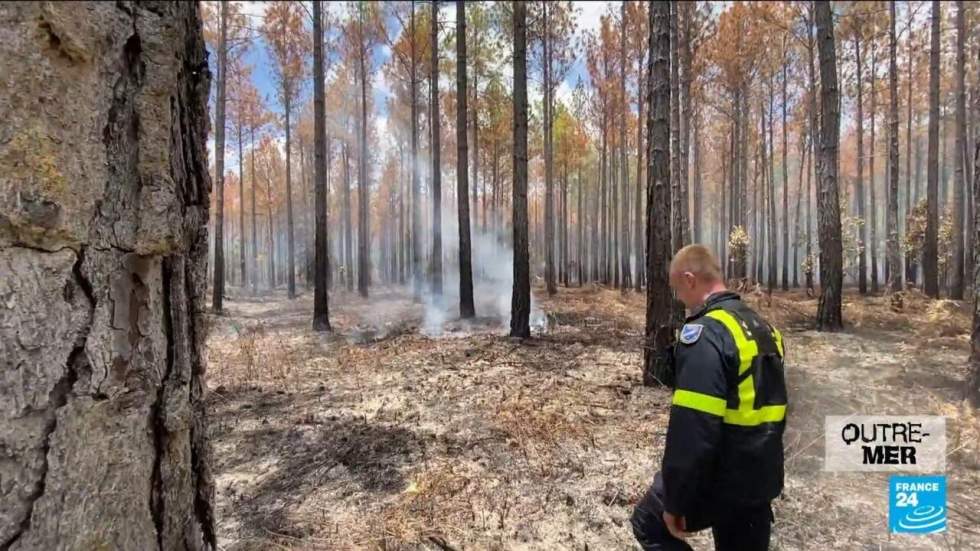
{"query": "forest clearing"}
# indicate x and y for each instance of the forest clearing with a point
(379, 436)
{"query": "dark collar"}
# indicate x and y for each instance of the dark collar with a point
(713, 300)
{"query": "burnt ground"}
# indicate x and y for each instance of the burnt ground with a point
(386, 435)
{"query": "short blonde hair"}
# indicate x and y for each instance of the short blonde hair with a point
(699, 260)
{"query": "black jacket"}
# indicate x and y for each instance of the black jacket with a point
(725, 436)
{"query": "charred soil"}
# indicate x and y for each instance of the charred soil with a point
(386, 435)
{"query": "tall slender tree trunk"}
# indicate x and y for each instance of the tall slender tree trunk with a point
(218, 290)
(436, 165)
(363, 199)
(911, 263)
(104, 426)
(684, 127)
(348, 230)
(771, 191)
(831, 255)
(255, 243)
(973, 383)
(272, 239)
(549, 169)
(466, 308)
(873, 222)
(930, 248)
(417, 277)
(321, 310)
(859, 182)
(241, 206)
(563, 265)
(814, 139)
(956, 284)
(579, 223)
(677, 220)
(659, 332)
(627, 280)
(603, 175)
(801, 190)
(638, 224)
(785, 278)
(520, 305)
(290, 252)
(894, 275)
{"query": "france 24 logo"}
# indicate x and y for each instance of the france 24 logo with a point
(917, 504)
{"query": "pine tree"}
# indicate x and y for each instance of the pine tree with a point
(520, 306)
(659, 315)
(831, 253)
(321, 309)
(466, 308)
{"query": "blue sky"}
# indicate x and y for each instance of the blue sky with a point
(262, 75)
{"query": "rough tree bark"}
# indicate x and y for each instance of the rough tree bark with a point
(659, 315)
(466, 308)
(973, 384)
(103, 252)
(831, 253)
(520, 305)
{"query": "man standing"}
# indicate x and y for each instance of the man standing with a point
(723, 462)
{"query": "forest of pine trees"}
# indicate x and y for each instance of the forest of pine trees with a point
(402, 165)
(797, 138)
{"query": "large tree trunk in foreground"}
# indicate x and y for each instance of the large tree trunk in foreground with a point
(103, 255)
(660, 314)
(831, 253)
(520, 305)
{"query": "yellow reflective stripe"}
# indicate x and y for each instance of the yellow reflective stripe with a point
(745, 415)
(700, 402)
(753, 417)
(747, 349)
(746, 395)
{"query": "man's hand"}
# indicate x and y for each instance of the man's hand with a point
(676, 525)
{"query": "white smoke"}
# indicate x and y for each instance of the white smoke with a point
(493, 278)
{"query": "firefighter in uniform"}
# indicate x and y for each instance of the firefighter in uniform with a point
(723, 461)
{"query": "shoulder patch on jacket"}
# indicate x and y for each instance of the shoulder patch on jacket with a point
(691, 332)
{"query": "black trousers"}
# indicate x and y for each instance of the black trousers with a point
(734, 527)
